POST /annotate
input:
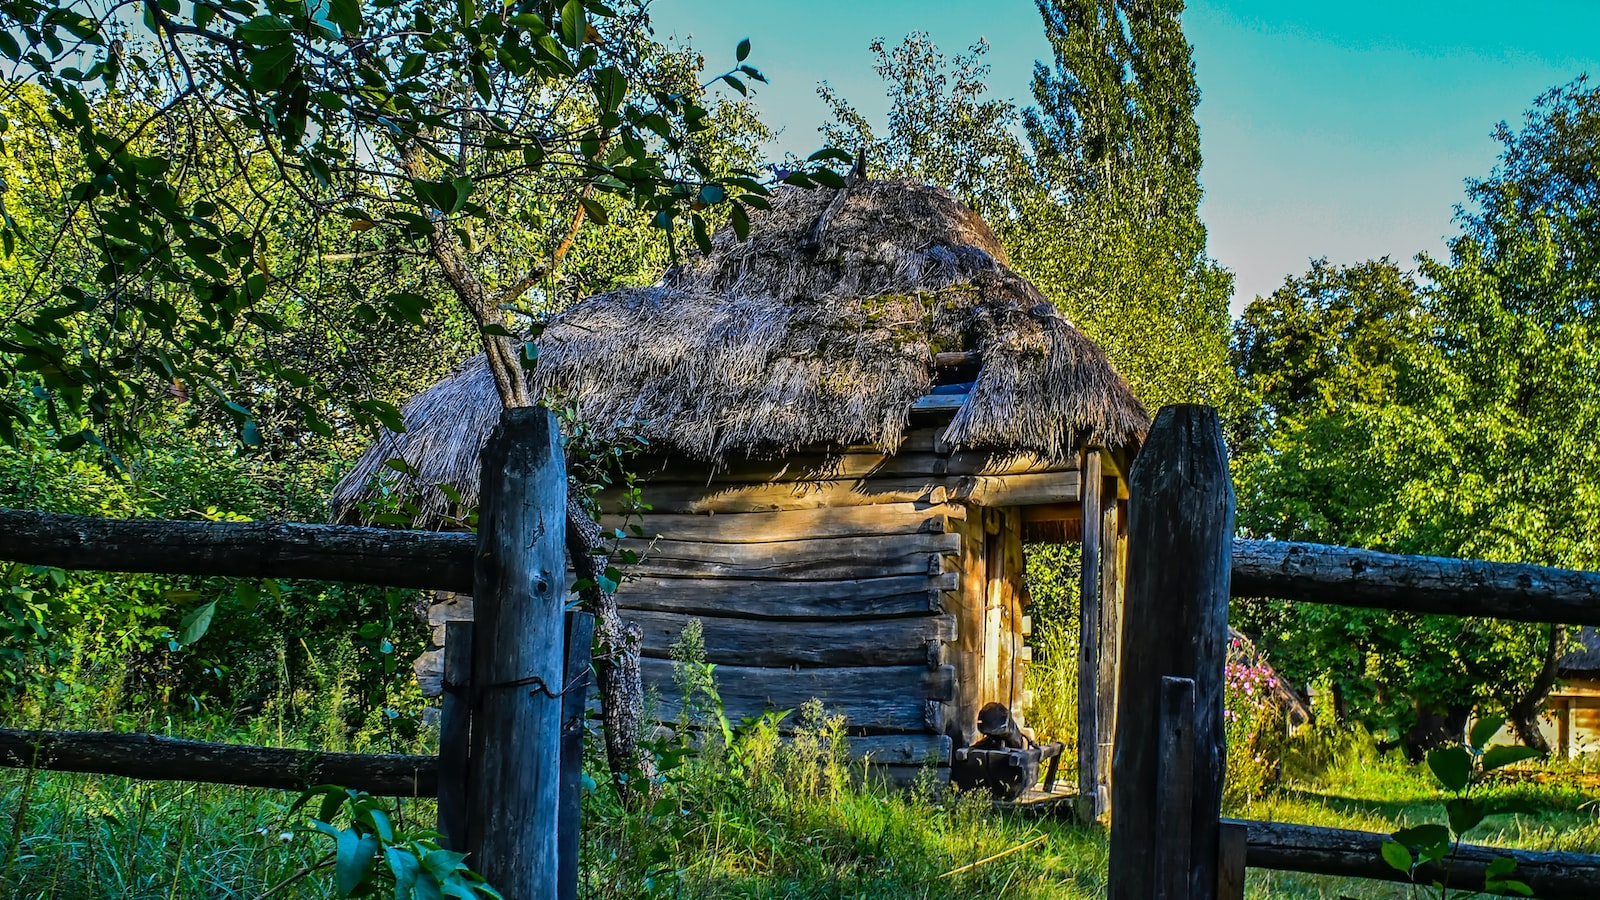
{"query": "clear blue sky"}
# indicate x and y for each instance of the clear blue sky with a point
(1341, 129)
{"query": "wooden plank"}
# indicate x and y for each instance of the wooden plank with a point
(873, 699)
(758, 642)
(824, 559)
(843, 464)
(694, 498)
(518, 660)
(579, 673)
(760, 599)
(1358, 854)
(966, 603)
(1319, 573)
(1091, 741)
(1232, 851)
(1174, 788)
(900, 749)
(953, 358)
(381, 556)
(1175, 623)
(1018, 490)
(155, 758)
(938, 403)
(455, 734)
(789, 525)
(1109, 634)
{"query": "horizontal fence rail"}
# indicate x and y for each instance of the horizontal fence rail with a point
(153, 757)
(380, 556)
(1358, 854)
(1318, 573)
(1422, 584)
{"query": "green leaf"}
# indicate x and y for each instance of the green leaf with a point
(1423, 837)
(1464, 815)
(250, 434)
(265, 31)
(736, 84)
(1501, 755)
(439, 195)
(574, 23)
(1452, 766)
(346, 14)
(196, 623)
(828, 178)
(742, 52)
(1499, 866)
(1483, 730)
(1397, 856)
(595, 210)
(827, 153)
(406, 867)
(354, 856)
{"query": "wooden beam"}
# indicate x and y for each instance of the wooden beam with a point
(155, 758)
(953, 358)
(1175, 623)
(1358, 854)
(381, 556)
(823, 559)
(1319, 573)
(790, 525)
(759, 599)
(1030, 489)
(762, 642)
(873, 699)
(518, 657)
(1091, 798)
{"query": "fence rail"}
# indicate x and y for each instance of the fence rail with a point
(156, 758)
(1316, 573)
(1358, 854)
(380, 556)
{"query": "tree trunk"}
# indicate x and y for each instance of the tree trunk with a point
(1524, 714)
(617, 663)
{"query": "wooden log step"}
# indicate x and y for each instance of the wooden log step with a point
(901, 749)
(826, 559)
(873, 699)
(790, 525)
(860, 598)
(754, 642)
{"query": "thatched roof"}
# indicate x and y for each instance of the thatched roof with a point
(775, 343)
(1583, 655)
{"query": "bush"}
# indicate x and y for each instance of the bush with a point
(1255, 728)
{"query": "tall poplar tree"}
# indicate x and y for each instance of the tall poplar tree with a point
(1115, 140)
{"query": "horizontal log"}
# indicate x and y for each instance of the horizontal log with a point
(873, 699)
(790, 525)
(858, 598)
(756, 642)
(1320, 573)
(381, 556)
(845, 465)
(1358, 854)
(822, 559)
(1018, 490)
(901, 749)
(699, 498)
(155, 758)
(952, 358)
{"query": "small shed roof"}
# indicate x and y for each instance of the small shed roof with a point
(820, 329)
(1583, 655)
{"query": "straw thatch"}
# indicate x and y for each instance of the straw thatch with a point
(1583, 654)
(775, 343)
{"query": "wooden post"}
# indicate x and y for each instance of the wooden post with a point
(1091, 800)
(1175, 622)
(1232, 850)
(1109, 636)
(1174, 788)
(455, 735)
(580, 643)
(517, 661)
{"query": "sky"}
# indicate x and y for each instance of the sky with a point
(1344, 130)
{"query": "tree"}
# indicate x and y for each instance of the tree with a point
(429, 127)
(1449, 420)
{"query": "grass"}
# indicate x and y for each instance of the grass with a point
(750, 817)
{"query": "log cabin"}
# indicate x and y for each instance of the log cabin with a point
(857, 418)
(1574, 705)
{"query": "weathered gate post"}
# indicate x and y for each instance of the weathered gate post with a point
(1175, 630)
(518, 658)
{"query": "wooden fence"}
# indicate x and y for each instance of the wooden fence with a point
(509, 768)
(1168, 839)
(518, 694)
